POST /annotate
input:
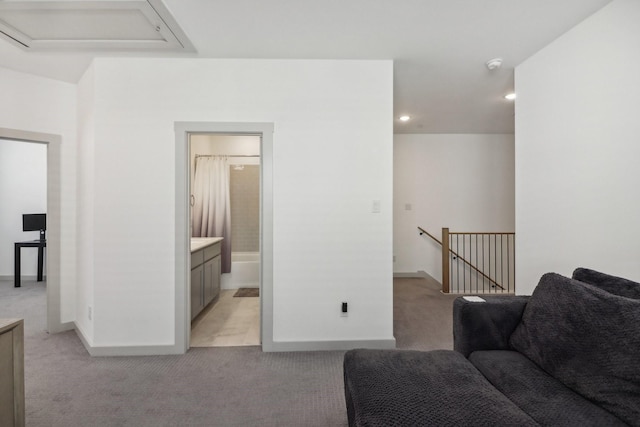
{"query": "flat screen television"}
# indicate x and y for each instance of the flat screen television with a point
(35, 222)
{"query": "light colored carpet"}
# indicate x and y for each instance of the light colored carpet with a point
(422, 315)
(227, 386)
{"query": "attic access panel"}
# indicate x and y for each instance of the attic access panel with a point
(110, 25)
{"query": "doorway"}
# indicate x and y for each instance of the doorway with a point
(54, 323)
(225, 203)
(184, 133)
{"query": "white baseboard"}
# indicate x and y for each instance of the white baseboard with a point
(44, 278)
(143, 350)
(279, 346)
(410, 275)
(62, 327)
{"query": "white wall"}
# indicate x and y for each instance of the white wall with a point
(85, 204)
(23, 189)
(577, 150)
(332, 158)
(36, 104)
(464, 182)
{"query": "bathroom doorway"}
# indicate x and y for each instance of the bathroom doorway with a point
(184, 132)
(225, 203)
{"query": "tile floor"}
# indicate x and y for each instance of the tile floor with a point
(228, 322)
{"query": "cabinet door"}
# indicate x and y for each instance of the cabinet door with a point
(211, 279)
(197, 301)
(217, 262)
(208, 281)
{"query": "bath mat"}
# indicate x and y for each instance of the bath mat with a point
(247, 292)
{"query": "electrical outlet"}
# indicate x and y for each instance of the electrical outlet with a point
(90, 312)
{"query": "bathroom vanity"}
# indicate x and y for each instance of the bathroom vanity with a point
(205, 272)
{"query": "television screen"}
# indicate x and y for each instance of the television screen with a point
(34, 222)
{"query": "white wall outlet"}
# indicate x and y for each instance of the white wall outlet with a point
(375, 207)
(90, 312)
(407, 206)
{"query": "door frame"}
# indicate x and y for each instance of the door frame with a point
(182, 247)
(53, 142)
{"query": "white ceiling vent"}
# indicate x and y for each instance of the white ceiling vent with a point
(110, 25)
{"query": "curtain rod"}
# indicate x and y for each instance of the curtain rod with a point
(228, 155)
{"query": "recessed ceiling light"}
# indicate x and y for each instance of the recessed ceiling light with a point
(405, 118)
(510, 96)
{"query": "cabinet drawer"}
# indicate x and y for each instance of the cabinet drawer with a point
(211, 251)
(197, 258)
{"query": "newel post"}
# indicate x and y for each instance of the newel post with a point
(445, 260)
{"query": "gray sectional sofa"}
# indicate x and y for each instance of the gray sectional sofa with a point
(569, 355)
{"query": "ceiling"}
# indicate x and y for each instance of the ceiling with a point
(439, 47)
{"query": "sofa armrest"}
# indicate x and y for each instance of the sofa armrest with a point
(486, 325)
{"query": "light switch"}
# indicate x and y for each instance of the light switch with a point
(375, 208)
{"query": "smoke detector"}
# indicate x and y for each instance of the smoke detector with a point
(494, 64)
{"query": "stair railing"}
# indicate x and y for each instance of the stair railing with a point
(487, 257)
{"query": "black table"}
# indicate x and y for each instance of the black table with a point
(40, 244)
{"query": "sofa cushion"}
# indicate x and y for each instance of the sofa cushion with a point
(486, 325)
(586, 338)
(544, 398)
(414, 388)
(611, 284)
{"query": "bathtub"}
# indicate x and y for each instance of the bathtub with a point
(245, 271)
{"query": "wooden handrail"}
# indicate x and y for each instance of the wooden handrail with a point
(422, 230)
(476, 233)
(461, 258)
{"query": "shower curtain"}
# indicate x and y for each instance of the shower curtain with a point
(211, 212)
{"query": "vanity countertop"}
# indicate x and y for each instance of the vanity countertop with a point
(198, 243)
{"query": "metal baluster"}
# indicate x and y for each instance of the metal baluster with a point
(483, 289)
(464, 269)
(502, 260)
(495, 259)
(457, 263)
(509, 262)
